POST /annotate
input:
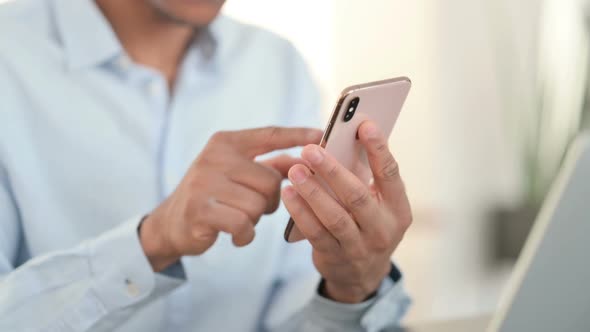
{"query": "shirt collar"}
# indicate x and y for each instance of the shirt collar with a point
(89, 40)
(86, 35)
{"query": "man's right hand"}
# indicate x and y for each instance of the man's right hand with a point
(224, 190)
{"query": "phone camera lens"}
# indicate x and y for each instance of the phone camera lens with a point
(351, 109)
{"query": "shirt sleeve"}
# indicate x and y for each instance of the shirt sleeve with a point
(97, 285)
(297, 306)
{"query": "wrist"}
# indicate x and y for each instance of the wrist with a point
(156, 249)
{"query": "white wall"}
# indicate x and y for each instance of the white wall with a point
(455, 138)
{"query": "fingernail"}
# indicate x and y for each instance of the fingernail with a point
(371, 130)
(298, 176)
(314, 155)
(289, 192)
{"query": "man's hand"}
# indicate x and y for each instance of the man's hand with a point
(353, 236)
(224, 190)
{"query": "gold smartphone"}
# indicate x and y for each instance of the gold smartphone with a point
(380, 102)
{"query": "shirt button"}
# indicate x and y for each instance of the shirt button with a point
(132, 288)
(154, 88)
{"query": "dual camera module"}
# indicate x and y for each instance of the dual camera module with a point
(349, 113)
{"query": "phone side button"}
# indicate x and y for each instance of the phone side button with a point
(328, 132)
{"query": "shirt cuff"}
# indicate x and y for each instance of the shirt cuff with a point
(383, 310)
(388, 308)
(175, 271)
(322, 308)
(121, 273)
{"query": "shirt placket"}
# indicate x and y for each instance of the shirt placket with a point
(153, 87)
(157, 93)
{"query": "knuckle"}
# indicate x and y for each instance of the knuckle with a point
(253, 213)
(271, 186)
(273, 204)
(333, 170)
(296, 210)
(358, 198)
(328, 247)
(193, 182)
(405, 222)
(315, 236)
(245, 240)
(256, 206)
(382, 241)
(241, 225)
(208, 159)
(202, 234)
(338, 224)
(273, 133)
(203, 210)
(381, 146)
(390, 169)
(188, 213)
(250, 237)
(218, 137)
(275, 181)
(313, 192)
(270, 134)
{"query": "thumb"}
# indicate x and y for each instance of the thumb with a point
(282, 163)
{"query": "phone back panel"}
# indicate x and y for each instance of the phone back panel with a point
(380, 102)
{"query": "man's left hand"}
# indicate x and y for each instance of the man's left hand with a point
(354, 236)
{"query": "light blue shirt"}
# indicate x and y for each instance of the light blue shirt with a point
(90, 142)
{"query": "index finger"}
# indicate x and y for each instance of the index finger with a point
(282, 163)
(254, 142)
(353, 194)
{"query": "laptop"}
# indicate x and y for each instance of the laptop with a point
(549, 289)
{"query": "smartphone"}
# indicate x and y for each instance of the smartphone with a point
(380, 102)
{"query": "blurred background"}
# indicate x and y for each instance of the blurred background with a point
(499, 90)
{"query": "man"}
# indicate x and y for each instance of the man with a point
(131, 194)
